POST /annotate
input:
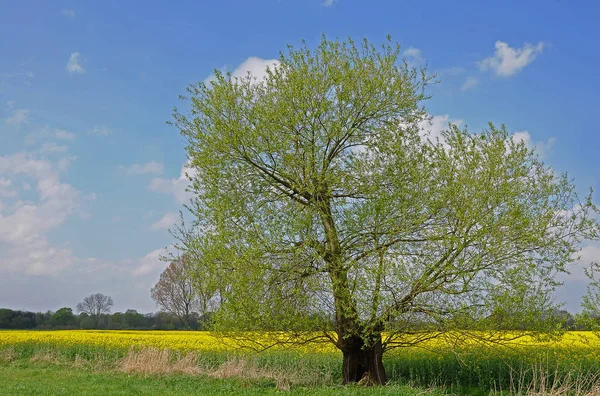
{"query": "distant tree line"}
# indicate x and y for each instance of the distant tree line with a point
(64, 319)
(94, 313)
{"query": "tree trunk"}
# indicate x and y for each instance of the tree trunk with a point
(363, 363)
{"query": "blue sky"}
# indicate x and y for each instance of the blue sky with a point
(91, 174)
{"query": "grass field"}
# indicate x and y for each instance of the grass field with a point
(188, 362)
(50, 379)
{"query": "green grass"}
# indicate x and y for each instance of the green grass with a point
(22, 377)
(482, 369)
(475, 371)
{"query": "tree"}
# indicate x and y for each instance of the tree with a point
(6, 316)
(165, 321)
(181, 293)
(132, 319)
(116, 321)
(324, 207)
(95, 305)
(63, 317)
(590, 304)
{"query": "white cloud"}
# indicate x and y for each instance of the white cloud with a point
(75, 63)
(38, 273)
(165, 222)
(100, 130)
(24, 245)
(543, 148)
(151, 167)
(328, 3)
(37, 257)
(64, 162)
(508, 61)
(414, 53)
(176, 187)
(470, 82)
(49, 148)
(5, 188)
(26, 164)
(18, 117)
(46, 133)
(127, 281)
(150, 263)
(65, 135)
(83, 215)
(435, 125)
(256, 67)
(71, 14)
(10, 104)
(589, 253)
(575, 281)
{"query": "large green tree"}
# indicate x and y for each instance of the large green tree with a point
(63, 317)
(326, 211)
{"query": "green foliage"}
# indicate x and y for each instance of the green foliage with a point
(590, 304)
(64, 317)
(10, 319)
(6, 316)
(88, 323)
(320, 205)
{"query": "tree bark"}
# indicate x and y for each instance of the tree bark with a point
(362, 360)
(363, 363)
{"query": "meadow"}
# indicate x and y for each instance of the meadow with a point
(523, 366)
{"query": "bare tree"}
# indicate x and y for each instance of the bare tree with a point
(179, 292)
(95, 305)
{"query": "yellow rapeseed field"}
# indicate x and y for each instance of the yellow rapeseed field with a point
(586, 342)
(174, 340)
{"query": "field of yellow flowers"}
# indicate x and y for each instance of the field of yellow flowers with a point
(200, 341)
(184, 341)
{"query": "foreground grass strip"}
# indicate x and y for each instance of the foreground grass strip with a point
(156, 361)
(26, 378)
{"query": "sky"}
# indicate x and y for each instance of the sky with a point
(92, 176)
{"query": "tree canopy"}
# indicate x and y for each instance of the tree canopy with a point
(327, 211)
(64, 316)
